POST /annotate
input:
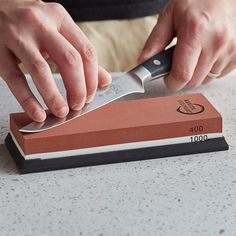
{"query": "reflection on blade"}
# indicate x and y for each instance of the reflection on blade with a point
(119, 87)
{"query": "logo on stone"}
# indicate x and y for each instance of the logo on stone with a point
(188, 108)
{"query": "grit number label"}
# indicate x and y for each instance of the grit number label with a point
(196, 129)
(199, 138)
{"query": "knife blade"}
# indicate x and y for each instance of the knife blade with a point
(131, 82)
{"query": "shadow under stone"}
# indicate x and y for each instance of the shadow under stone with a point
(7, 164)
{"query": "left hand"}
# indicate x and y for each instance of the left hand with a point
(206, 40)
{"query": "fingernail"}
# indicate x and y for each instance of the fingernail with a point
(77, 107)
(173, 84)
(40, 115)
(107, 82)
(89, 99)
(63, 111)
(109, 79)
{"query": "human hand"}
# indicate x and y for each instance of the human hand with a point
(206, 40)
(33, 31)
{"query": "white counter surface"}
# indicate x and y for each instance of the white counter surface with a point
(187, 195)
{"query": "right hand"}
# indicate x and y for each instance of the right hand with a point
(33, 31)
(206, 40)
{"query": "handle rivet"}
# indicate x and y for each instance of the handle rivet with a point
(157, 62)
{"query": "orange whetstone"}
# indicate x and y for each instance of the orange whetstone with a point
(123, 122)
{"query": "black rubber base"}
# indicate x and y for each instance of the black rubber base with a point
(37, 165)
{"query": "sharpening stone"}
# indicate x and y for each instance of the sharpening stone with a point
(120, 132)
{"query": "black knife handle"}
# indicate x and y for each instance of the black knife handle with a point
(160, 64)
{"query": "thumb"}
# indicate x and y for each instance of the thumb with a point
(161, 35)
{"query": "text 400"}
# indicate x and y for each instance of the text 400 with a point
(199, 138)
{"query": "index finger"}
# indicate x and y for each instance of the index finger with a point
(185, 59)
(78, 39)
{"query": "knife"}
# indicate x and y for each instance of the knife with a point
(131, 82)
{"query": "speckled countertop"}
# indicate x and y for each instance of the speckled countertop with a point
(187, 195)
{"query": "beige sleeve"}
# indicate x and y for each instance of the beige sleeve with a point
(118, 42)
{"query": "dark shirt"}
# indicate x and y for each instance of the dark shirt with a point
(88, 10)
